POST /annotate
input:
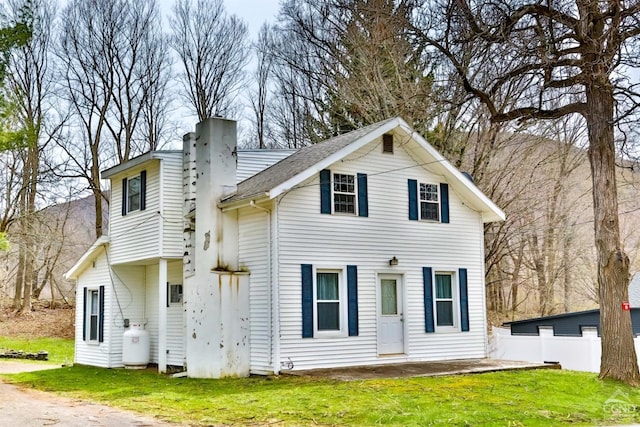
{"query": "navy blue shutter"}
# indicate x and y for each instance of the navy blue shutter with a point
(352, 299)
(124, 196)
(428, 299)
(363, 200)
(325, 191)
(143, 190)
(444, 203)
(84, 314)
(464, 300)
(307, 300)
(168, 293)
(101, 316)
(413, 199)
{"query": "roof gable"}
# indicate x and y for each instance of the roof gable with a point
(307, 162)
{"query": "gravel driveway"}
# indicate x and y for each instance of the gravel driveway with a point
(27, 407)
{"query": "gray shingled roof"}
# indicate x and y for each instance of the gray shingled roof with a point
(296, 163)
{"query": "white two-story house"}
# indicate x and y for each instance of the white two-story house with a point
(363, 249)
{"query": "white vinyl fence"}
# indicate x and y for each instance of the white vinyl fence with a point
(575, 353)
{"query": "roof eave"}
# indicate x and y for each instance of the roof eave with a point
(490, 211)
(243, 202)
(132, 163)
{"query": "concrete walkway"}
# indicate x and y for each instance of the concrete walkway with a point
(423, 369)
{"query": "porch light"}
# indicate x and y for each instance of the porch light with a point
(393, 261)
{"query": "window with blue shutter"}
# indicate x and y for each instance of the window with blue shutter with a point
(134, 193)
(101, 321)
(444, 203)
(93, 315)
(427, 281)
(343, 193)
(352, 299)
(428, 202)
(325, 191)
(124, 196)
(413, 199)
(326, 299)
(307, 300)
(363, 200)
(464, 300)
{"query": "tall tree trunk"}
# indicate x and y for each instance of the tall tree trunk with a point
(17, 297)
(618, 353)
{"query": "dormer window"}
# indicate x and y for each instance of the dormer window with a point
(134, 193)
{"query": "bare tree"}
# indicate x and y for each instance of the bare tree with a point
(569, 58)
(28, 85)
(115, 80)
(262, 78)
(213, 49)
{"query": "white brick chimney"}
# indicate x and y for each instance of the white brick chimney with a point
(217, 296)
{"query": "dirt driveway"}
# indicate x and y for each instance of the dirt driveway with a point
(26, 407)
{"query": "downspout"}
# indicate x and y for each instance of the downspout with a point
(270, 296)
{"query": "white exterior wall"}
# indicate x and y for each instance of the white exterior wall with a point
(135, 236)
(175, 319)
(151, 310)
(128, 284)
(308, 237)
(254, 255)
(124, 299)
(156, 231)
(172, 202)
(93, 277)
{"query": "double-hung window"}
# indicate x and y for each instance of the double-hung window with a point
(328, 305)
(134, 193)
(329, 301)
(445, 300)
(344, 193)
(429, 202)
(93, 314)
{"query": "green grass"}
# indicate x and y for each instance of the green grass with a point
(60, 350)
(522, 398)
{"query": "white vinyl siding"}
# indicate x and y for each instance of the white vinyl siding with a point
(253, 247)
(96, 275)
(157, 230)
(135, 236)
(308, 237)
(250, 162)
(172, 203)
(175, 319)
(123, 299)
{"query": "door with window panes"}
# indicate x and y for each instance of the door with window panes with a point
(390, 314)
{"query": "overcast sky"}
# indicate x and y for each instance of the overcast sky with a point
(253, 12)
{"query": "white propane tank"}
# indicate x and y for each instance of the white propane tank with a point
(135, 347)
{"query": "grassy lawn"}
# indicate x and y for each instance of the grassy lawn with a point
(523, 398)
(60, 349)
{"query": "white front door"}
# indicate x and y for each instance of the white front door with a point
(390, 314)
